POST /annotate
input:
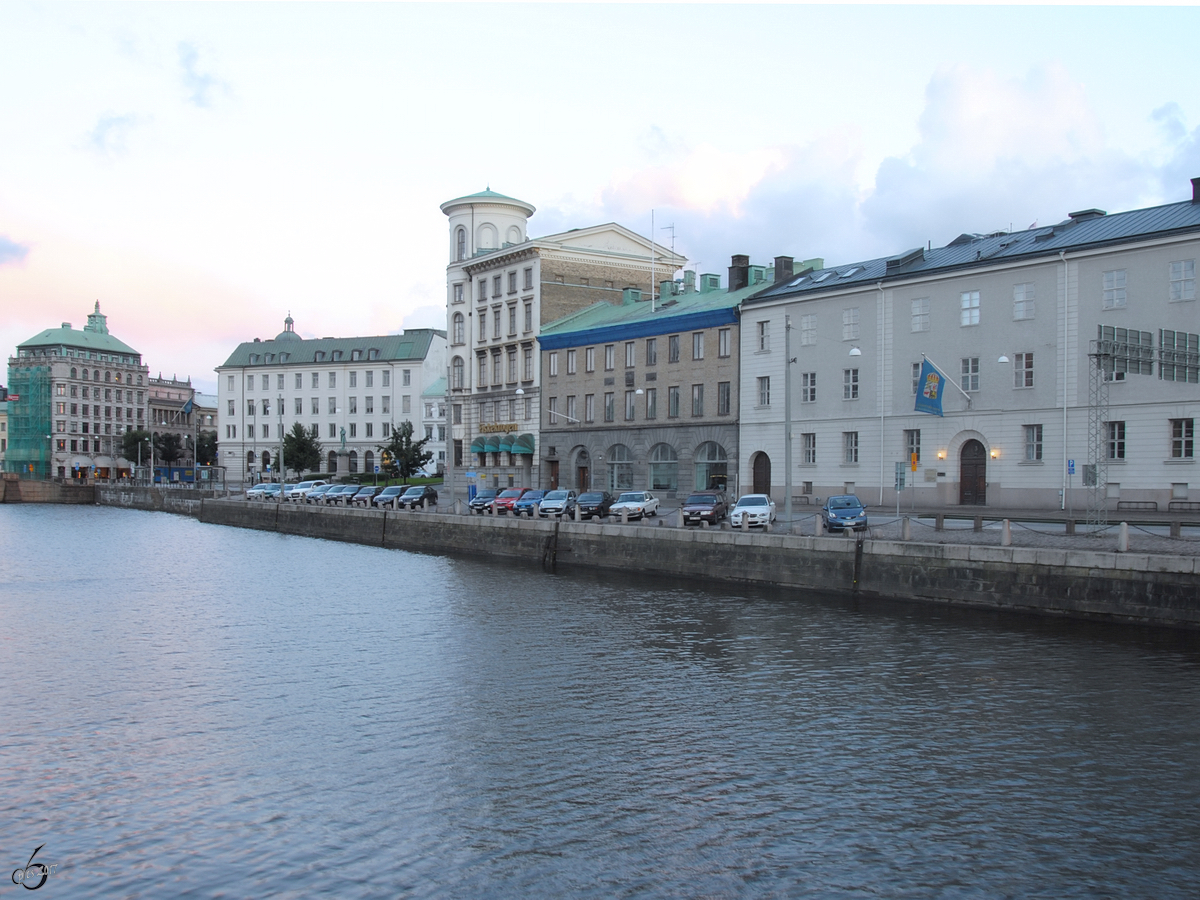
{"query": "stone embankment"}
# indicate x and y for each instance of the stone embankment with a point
(15, 490)
(1131, 587)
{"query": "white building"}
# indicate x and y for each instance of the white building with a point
(352, 390)
(501, 287)
(1010, 318)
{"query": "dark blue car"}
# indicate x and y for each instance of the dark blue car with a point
(528, 502)
(843, 511)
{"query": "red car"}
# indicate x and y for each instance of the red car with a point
(508, 499)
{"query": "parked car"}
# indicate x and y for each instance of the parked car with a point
(482, 500)
(557, 503)
(528, 503)
(843, 511)
(300, 491)
(421, 495)
(595, 503)
(364, 495)
(271, 491)
(704, 506)
(255, 491)
(388, 494)
(757, 509)
(317, 494)
(506, 500)
(341, 493)
(639, 503)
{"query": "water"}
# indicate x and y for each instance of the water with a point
(197, 711)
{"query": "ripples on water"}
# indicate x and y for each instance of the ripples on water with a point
(191, 710)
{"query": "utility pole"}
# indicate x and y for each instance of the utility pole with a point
(787, 421)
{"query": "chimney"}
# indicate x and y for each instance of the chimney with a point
(784, 268)
(1196, 190)
(666, 289)
(739, 272)
(710, 283)
(689, 281)
(630, 296)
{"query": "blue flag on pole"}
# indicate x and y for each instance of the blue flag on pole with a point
(929, 390)
(187, 407)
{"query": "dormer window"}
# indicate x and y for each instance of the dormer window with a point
(355, 355)
(254, 359)
(270, 357)
(336, 355)
(319, 356)
(372, 354)
(284, 357)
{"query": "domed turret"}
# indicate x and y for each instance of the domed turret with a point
(486, 221)
(289, 332)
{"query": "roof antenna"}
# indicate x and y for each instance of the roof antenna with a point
(670, 228)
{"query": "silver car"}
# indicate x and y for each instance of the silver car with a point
(557, 503)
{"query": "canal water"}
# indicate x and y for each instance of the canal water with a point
(198, 711)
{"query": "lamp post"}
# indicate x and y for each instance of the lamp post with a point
(282, 480)
(787, 421)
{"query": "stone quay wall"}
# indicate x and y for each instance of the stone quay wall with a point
(16, 490)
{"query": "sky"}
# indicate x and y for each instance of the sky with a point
(203, 170)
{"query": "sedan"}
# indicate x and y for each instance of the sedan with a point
(388, 494)
(528, 503)
(594, 503)
(300, 491)
(844, 511)
(418, 495)
(704, 506)
(341, 494)
(557, 503)
(365, 495)
(639, 503)
(317, 494)
(256, 491)
(482, 501)
(271, 491)
(756, 509)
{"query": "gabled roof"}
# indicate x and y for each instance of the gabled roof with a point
(1084, 230)
(607, 239)
(412, 345)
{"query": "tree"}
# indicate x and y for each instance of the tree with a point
(301, 449)
(130, 442)
(402, 456)
(168, 447)
(206, 449)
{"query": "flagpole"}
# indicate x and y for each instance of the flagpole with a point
(945, 377)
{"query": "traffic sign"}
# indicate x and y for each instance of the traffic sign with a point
(377, 468)
(1070, 467)
(914, 461)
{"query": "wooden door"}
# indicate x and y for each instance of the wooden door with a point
(762, 474)
(972, 474)
(585, 482)
(553, 463)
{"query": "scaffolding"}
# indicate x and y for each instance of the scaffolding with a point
(29, 423)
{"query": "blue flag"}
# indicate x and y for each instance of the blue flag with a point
(187, 407)
(929, 390)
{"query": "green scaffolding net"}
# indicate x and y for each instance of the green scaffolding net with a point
(29, 425)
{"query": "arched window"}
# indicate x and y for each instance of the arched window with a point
(712, 467)
(95, 374)
(514, 234)
(664, 468)
(332, 463)
(458, 328)
(85, 375)
(74, 373)
(266, 460)
(353, 460)
(368, 461)
(250, 459)
(108, 376)
(460, 243)
(620, 468)
(456, 373)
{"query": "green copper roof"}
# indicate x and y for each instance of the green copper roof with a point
(488, 196)
(67, 336)
(412, 345)
(437, 389)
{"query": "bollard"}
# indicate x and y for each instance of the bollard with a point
(818, 526)
(1123, 538)
(1005, 534)
(1176, 529)
(745, 522)
(492, 508)
(578, 518)
(703, 523)
(1070, 526)
(979, 523)
(624, 515)
(906, 530)
(537, 511)
(939, 522)
(395, 501)
(679, 521)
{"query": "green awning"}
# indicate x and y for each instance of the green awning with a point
(477, 445)
(506, 443)
(493, 443)
(523, 444)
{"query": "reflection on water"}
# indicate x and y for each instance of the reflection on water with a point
(194, 710)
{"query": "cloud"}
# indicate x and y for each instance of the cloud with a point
(12, 253)
(111, 132)
(425, 317)
(201, 86)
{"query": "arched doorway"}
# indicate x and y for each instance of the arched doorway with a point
(583, 471)
(712, 467)
(761, 473)
(620, 468)
(354, 461)
(331, 462)
(972, 474)
(664, 468)
(266, 460)
(369, 462)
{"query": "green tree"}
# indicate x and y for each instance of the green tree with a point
(130, 442)
(301, 449)
(206, 449)
(168, 447)
(402, 456)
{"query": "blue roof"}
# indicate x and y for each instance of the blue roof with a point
(1084, 230)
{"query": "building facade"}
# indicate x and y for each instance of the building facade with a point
(501, 287)
(175, 407)
(1016, 325)
(78, 392)
(433, 401)
(352, 390)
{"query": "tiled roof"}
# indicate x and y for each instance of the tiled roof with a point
(413, 345)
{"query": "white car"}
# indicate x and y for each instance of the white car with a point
(300, 491)
(758, 509)
(639, 503)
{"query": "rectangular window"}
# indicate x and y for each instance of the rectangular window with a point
(589, 407)
(370, 429)
(916, 377)
(458, 293)
(512, 286)
(764, 336)
(353, 406)
(610, 412)
(496, 366)
(1033, 442)
(485, 412)
(850, 324)
(229, 382)
(630, 405)
(457, 412)
(369, 406)
(1023, 370)
(1183, 280)
(970, 373)
(1114, 289)
(333, 379)
(808, 443)
(969, 308)
(332, 429)
(808, 387)
(529, 279)
(482, 290)
(406, 405)
(527, 374)
(651, 351)
(385, 404)
(333, 406)
(528, 317)
(232, 411)
(630, 355)
(370, 379)
(512, 365)
(279, 382)
(495, 323)
(353, 379)
(724, 397)
(1116, 440)
(353, 429)
(589, 359)
(673, 348)
(570, 362)
(481, 316)
(299, 406)
(920, 315)
(316, 379)
(249, 382)
(850, 447)
(724, 343)
(250, 407)
(571, 413)
(496, 288)
(512, 321)
(249, 430)
(764, 390)
(1179, 358)
(1024, 297)
(651, 403)
(697, 399)
(698, 345)
(552, 363)
(610, 357)
(299, 381)
(387, 378)
(1183, 435)
(553, 407)
(808, 330)
(673, 402)
(849, 384)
